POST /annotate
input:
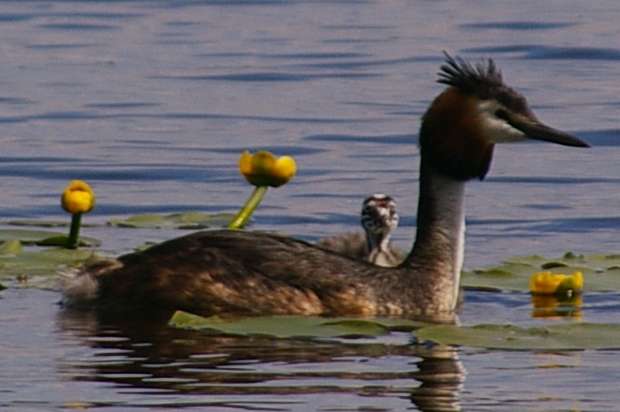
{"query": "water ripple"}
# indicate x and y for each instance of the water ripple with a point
(268, 77)
(407, 139)
(226, 3)
(605, 137)
(287, 150)
(54, 46)
(518, 25)
(538, 52)
(577, 225)
(78, 27)
(146, 174)
(360, 64)
(12, 18)
(355, 27)
(15, 100)
(77, 115)
(39, 159)
(544, 180)
(315, 55)
(91, 15)
(121, 105)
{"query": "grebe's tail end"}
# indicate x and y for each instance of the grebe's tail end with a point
(80, 284)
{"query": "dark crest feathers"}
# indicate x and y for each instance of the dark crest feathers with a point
(480, 79)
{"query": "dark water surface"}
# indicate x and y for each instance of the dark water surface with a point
(152, 102)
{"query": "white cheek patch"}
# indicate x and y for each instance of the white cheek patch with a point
(495, 129)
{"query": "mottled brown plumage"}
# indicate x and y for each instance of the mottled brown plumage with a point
(351, 244)
(241, 272)
(226, 272)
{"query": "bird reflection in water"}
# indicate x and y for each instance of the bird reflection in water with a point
(256, 373)
(441, 375)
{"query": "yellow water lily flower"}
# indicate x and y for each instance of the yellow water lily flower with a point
(547, 283)
(265, 169)
(78, 197)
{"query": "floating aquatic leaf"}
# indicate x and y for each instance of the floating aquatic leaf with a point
(601, 272)
(26, 236)
(188, 220)
(291, 326)
(61, 241)
(508, 277)
(39, 268)
(42, 237)
(553, 265)
(567, 336)
(10, 248)
(44, 223)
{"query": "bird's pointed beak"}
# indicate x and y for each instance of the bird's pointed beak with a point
(534, 129)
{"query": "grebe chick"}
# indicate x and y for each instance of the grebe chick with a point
(255, 273)
(379, 219)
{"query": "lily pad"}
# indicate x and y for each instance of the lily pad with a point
(28, 267)
(601, 272)
(45, 223)
(291, 326)
(567, 336)
(26, 236)
(10, 248)
(38, 237)
(188, 220)
(61, 241)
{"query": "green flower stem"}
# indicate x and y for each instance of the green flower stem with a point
(72, 241)
(242, 218)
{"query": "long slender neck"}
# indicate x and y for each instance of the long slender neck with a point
(437, 254)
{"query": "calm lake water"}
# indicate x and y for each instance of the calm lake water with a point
(152, 103)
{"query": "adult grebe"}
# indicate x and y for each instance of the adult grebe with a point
(378, 219)
(239, 272)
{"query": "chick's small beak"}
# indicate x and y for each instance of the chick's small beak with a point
(536, 130)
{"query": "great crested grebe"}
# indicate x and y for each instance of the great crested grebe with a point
(378, 219)
(252, 273)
